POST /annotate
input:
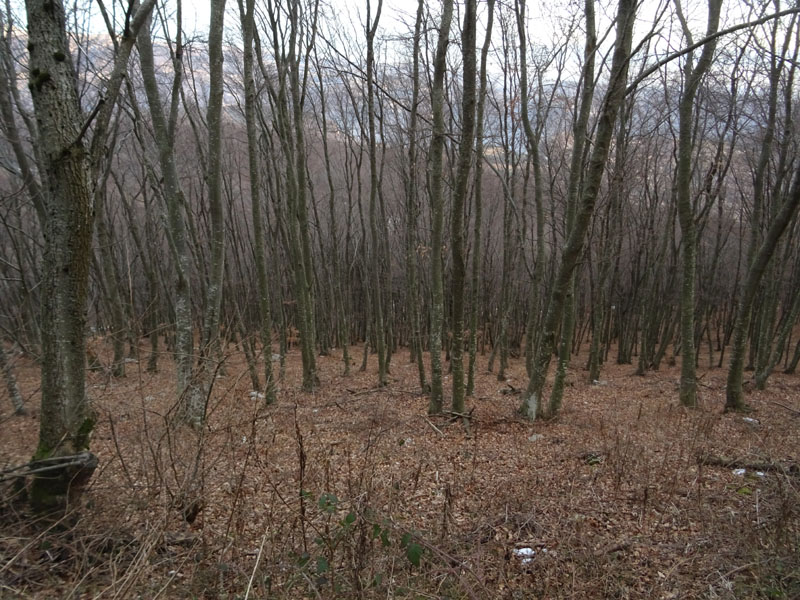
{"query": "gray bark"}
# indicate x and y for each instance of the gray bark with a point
(693, 75)
(375, 241)
(163, 128)
(259, 237)
(66, 417)
(478, 200)
(532, 406)
(436, 186)
(412, 208)
(468, 99)
(11, 383)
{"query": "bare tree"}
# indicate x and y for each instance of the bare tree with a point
(693, 74)
(626, 13)
(66, 166)
(436, 197)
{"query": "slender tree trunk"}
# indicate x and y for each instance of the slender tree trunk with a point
(435, 183)
(626, 12)
(783, 337)
(468, 41)
(246, 11)
(112, 283)
(375, 241)
(177, 228)
(573, 189)
(11, 383)
(412, 209)
(733, 390)
(478, 199)
(693, 75)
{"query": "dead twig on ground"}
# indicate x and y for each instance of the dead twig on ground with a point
(789, 408)
(741, 463)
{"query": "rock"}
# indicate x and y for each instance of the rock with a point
(535, 437)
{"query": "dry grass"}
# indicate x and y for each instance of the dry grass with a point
(339, 493)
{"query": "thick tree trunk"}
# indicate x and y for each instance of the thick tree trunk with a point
(66, 420)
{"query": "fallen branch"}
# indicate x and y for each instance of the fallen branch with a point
(367, 391)
(789, 408)
(435, 428)
(457, 415)
(82, 459)
(740, 463)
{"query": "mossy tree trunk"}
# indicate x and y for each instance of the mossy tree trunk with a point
(468, 99)
(66, 167)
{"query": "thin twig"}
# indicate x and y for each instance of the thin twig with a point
(435, 428)
(255, 566)
(789, 408)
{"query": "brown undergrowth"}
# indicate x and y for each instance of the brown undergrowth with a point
(353, 492)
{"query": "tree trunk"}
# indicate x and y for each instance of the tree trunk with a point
(468, 40)
(531, 405)
(177, 228)
(412, 209)
(436, 186)
(11, 383)
(66, 419)
(375, 241)
(259, 238)
(478, 184)
(693, 75)
(733, 390)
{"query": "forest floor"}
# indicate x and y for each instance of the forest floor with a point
(354, 492)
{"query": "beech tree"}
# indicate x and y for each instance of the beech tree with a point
(693, 73)
(246, 11)
(67, 163)
(436, 198)
(532, 405)
(163, 130)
